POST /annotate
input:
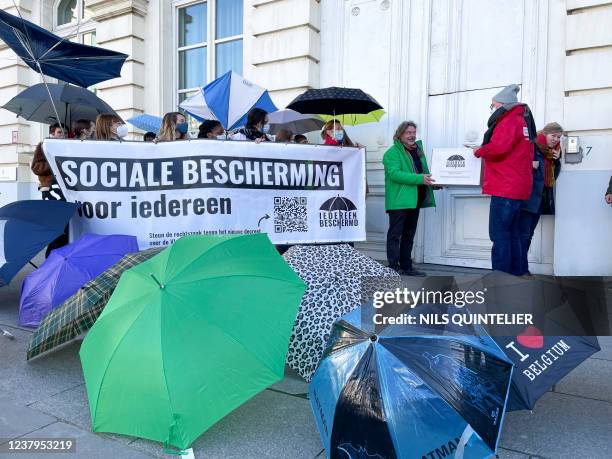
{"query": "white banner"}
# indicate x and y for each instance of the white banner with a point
(160, 192)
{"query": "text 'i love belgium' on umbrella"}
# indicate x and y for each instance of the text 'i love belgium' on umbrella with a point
(188, 336)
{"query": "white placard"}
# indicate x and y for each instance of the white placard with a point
(455, 166)
(159, 192)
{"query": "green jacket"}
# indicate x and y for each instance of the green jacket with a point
(401, 181)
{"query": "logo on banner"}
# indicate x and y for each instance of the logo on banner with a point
(338, 212)
(531, 338)
(455, 161)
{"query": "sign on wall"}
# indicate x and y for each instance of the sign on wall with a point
(160, 192)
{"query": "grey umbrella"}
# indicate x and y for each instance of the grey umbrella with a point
(297, 123)
(72, 103)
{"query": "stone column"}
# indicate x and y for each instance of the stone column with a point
(283, 46)
(18, 137)
(121, 27)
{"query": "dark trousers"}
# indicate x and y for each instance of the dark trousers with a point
(400, 237)
(64, 238)
(504, 232)
(527, 225)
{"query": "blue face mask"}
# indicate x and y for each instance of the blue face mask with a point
(339, 136)
(266, 128)
(182, 128)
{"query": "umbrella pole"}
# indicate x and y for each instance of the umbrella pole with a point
(57, 117)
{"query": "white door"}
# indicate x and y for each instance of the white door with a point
(477, 47)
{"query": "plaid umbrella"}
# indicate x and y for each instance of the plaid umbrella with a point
(79, 312)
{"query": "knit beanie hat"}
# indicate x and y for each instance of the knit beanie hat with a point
(508, 95)
(552, 128)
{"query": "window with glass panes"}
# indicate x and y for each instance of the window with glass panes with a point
(209, 43)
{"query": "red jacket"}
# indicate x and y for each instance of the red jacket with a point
(508, 158)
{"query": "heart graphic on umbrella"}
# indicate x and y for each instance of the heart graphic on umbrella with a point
(531, 338)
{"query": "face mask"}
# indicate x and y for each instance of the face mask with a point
(266, 128)
(221, 137)
(339, 136)
(122, 131)
(182, 128)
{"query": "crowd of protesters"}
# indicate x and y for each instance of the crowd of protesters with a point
(520, 165)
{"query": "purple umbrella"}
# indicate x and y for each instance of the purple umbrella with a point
(66, 270)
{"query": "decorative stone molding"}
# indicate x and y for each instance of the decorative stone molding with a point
(105, 9)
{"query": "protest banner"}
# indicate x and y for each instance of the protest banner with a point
(160, 192)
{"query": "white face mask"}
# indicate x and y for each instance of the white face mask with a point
(221, 137)
(122, 131)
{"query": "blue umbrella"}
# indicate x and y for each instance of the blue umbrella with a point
(228, 99)
(57, 57)
(408, 391)
(26, 227)
(148, 123)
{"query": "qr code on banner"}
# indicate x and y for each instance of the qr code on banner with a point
(290, 214)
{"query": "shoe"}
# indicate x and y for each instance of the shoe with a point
(412, 272)
(396, 269)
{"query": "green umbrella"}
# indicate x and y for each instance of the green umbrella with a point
(353, 119)
(190, 335)
(78, 313)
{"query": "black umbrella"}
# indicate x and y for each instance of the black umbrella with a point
(334, 101)
(72, 103)
(338, 203)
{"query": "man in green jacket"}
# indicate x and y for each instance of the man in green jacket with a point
(408, 188)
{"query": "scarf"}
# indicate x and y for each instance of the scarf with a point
(497, 114)
(252, 134)
(549, 160)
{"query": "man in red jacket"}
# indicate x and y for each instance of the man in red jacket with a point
(508, 153)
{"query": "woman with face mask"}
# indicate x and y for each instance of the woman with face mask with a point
(110, 127)
(174, 127)
(211, 129)
(256, 128)
(333, 133)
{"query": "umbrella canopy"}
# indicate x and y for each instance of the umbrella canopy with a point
(334, 101)
(552, 347)
(408, 392)
(148, 123)
(72, 103)
(66, 270)
(297, 123)
(58, 57)
(228, 99)
(188, 336)
(25, 228)
(78, 313)
(353, 119)
(334, 274)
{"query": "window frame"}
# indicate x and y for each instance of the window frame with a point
(81, 21)
(210, 44)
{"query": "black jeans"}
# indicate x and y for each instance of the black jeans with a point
(400, 237)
